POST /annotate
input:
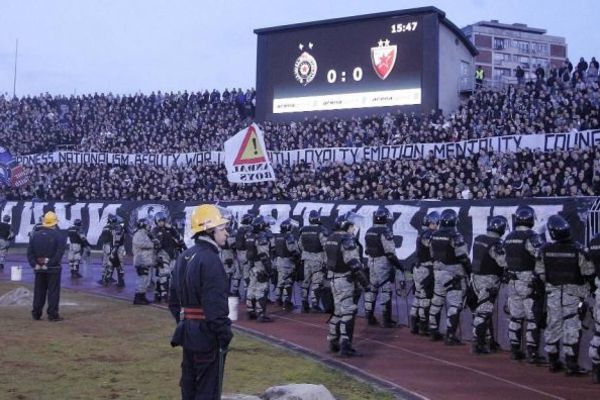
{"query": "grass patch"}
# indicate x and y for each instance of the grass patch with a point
(109, 349)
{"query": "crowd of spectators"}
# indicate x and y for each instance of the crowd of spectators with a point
(188, 122)
(561, 100)
(487, 175)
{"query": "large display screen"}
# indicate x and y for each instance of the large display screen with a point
(354, 65)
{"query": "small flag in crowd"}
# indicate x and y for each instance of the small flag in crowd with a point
(12, 174)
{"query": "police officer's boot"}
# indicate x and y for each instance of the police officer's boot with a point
(371, 320)
(251, 307)
(140, 299)
(121, 280)
(435, 334)
(279, 301)
(315, 307)
(516, 353)
(555, 364)
(424, 324)
(573, 368)
(262, 315)
(346, 349)
(388, 322)
(479, 345)
(494, 346)
(334, 346)
(414, 324)
(305, 308)
(451, 338)
(596, 373)
(533, 357)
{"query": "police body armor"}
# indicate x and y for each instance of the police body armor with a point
(517, 256)
(374, 246)
(441, 249)
(333, 251)
(251, 252)
(483, 263)
(309, 235)
(240, 237)
(281, 249)
(118, 236)
(423, 252)
(561, 261)
(75, 236)
(5, 231)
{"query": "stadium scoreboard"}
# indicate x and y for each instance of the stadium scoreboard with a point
(356, 65)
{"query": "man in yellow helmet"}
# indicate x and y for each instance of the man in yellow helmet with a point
(198, 300)
(46, 248)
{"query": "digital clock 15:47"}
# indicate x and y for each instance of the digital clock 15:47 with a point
(332, 75)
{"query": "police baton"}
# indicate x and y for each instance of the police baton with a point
(222, 353)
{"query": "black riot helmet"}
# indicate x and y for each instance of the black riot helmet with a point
(77, 223)
(160, 217)
(342, 223)
(381, 216)
(525, 216)
(448, 218)
(497, 224)
(559, 228)
(286, 226)
(314, 217)
(259, 224)
(433, 218)
(6, 219)
(247, 219)
(142, 223)
(112, 219)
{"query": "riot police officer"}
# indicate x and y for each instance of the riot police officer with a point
(594, 350)
(169, 245)
(524, 303)
(144, 257)
(287, 254)
(199, 290)
(423, 276)
(47, 245)
(112, 240)
(564, 268)
(6, 237)
(383, 262)
(230, 262)
(258, 250)
(78, 244)
(488, 267)
(312, 239)
(243, 231)
(345, 270)
(451, 265)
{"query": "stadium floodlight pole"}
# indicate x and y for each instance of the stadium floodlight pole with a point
(15, 76)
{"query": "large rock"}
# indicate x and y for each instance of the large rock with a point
(302, 391)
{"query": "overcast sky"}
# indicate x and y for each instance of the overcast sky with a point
(125, 46)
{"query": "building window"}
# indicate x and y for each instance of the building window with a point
(521, 45)
(540, 61)
(499, 73)
(501, 43)
(523, 61)
(540, 49)
(501, 58)
(465, 68)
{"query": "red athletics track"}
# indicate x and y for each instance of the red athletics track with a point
(410, 366)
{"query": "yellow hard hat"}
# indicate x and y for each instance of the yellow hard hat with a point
(205, 217)
(49, 220)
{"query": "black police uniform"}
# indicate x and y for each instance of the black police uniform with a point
(424, 282)
(50, 244)
(199, 291)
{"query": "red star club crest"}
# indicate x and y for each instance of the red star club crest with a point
(383, 58)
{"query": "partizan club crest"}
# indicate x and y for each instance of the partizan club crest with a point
(305, 67)
(383, 58)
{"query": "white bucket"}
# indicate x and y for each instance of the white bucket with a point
(16, 273)
(234, 303)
